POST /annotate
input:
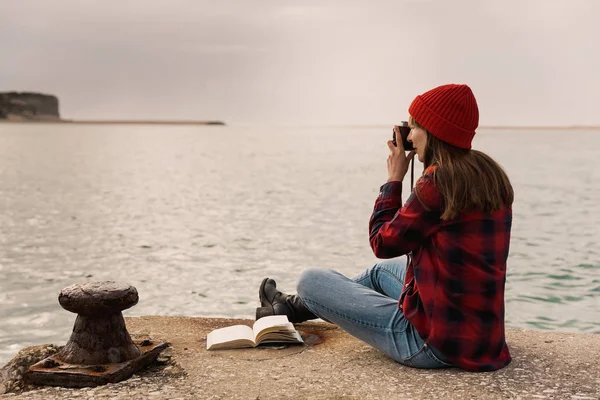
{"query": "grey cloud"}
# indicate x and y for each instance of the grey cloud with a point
(529, 62)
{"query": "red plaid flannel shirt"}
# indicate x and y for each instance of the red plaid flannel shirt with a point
(454, 287)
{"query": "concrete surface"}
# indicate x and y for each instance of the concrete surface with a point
(336, 366)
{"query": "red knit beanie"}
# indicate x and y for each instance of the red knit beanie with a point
(448, 112)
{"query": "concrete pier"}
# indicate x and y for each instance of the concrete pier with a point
(334, 365)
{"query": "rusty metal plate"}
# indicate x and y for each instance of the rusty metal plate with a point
(54, 372)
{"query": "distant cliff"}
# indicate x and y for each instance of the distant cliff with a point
(28, 106)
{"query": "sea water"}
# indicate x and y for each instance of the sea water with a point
(195, 216)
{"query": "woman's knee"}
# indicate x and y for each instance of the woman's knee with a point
(395, 266)
(310, 281)
(392, 263)
(385, 265)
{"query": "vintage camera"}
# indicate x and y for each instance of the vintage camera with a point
(404, 131)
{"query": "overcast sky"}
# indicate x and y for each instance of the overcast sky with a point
(529, 62)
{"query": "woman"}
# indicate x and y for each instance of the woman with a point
(444, 306)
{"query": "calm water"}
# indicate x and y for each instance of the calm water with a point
(195, 216)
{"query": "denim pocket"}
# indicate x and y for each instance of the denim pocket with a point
(425, 358)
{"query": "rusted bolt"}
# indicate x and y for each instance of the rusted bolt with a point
(49, 363)
(99, 335)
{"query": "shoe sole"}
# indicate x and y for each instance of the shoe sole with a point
(261, 293)
(263, 311)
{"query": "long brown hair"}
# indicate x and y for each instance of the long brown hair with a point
(468, 180)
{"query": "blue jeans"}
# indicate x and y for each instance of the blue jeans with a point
(367, 308)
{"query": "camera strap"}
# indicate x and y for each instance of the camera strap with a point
(412, 174)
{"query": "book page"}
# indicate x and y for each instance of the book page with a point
(269, 322)
(275, 329)
(235, 336)
(280, 337)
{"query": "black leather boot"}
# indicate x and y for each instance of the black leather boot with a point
(273, 302)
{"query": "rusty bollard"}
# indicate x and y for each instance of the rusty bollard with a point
(100, 349)
(99, 335)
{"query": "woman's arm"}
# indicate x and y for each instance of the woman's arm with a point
(395, 229)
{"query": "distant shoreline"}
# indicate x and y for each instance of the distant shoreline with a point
(540, 127)
(221, 123)
(112, 122)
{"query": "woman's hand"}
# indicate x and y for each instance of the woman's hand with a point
(398, 160)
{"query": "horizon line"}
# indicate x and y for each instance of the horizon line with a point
(222, 123)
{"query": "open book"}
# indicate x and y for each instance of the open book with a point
(271, 329)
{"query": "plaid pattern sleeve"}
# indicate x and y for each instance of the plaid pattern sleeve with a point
(395, 229)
